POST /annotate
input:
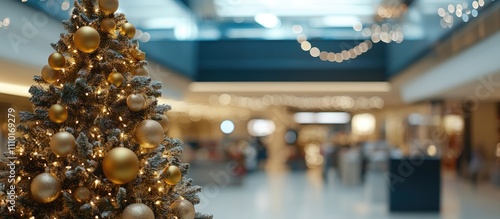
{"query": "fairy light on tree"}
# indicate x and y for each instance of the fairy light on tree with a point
(99, 141)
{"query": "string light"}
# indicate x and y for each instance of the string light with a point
(463, 11)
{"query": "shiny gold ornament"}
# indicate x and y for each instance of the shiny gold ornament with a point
(58, 113)
(57, 61)
(49, 75)
(141, 71)
(183, 209)
(120, 165)
(128, 30)
(108, 6)
(62, 144)
(149, 133)
(45, 188)
(164, 122)
(82, 194)
(108, 24)
(173, 176)
(136, 102)
(139, 55)
(86, 39)
(116, 78)
(137, 210)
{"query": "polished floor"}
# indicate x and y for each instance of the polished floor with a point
(305, 195)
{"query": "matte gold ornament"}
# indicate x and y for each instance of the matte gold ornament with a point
(87, 39)
(108, 6)
(183, 209)
(49, 75)
(128, 30)
(62, 144)
(149, 133)
(82, 194)
(141, 71)
(108, 24)
(57, 61)
(137, 210)
(173, 176)
(116, 78)
(58, 113)
(45, 188)
(164, 122)
(136, 102)
(120, 165)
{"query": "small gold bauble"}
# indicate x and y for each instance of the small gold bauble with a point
(137, 210)
(141, 71)
(139, 55)
(82, 194)
(116, 78)
(86, 39)
(173, 176)
(57, 61)
(149, 133)
(183, 209)
(49, 75)
(108, 6)
(108, 24)
(164, 122)
(58, 113)
(128, 30)
(45, 188)
(136, 102)
(62, 144)
(120, 165)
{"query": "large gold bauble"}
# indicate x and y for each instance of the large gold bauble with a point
(136, 102)
(82, 194)
(141, 71)
(173, 176)
(108, 6)
(136, 211)
(63, 144)
(183, 209)
(164, 122)
(45, 188)
(120, 165)
(57, 61)
(116, 78)
(108, 24)
(49, 75)
(58, 113)
(87, 39)
(149, 133)
(128, 30)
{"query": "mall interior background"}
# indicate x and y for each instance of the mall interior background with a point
(337, 109)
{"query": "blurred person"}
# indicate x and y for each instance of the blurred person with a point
(261, 152)
(328, 150)
(476, 164)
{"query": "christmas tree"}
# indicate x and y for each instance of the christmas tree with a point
(95, 145)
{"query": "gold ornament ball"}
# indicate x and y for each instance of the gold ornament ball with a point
(58, 113)
(183, 209)
(57, 61)
(87, 39)
(108, 24)
(82, 194)
(120, 165)
(137, 210)
(141, 71)
(128, 30)
(49, 75)
(116, 78)
(164, 122)
(62, 144)
(149, 133)
(139, 55)
(45, 188)
(136, 102)
(174, 175)
(108, 6)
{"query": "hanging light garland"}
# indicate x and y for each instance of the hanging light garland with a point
(463, 11)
